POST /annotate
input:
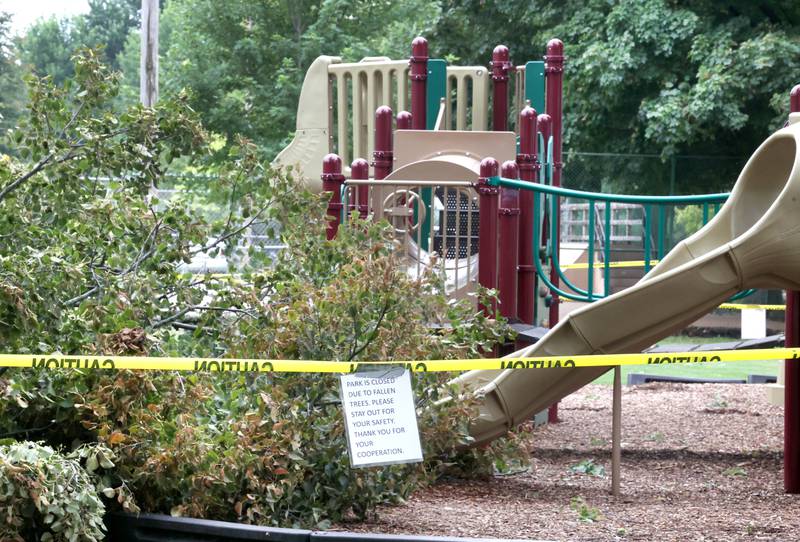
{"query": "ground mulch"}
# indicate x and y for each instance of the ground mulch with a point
(699, 462)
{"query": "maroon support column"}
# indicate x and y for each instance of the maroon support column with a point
(418, 75)
(554, 75)
(382, 156)
(528, 168)
(546, 129)
(404, 120)
(791, 390)
(501, 65)
(487, 229)
(359, 170)
(508, 243)
(332, 180)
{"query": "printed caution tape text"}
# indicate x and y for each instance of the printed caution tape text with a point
(61, 361)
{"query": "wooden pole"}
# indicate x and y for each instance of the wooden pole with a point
(616, 432)
(148, 63)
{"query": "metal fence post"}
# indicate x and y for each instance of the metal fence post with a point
(508, 243)
(332, 180)
(487, 229)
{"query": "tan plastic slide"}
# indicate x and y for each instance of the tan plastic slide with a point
(753, 242)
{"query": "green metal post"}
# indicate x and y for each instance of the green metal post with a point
(607, 250)
(648, 213)
(435, 91)
(590, 276)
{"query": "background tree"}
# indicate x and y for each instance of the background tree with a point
(244, 61)
(48, 45)
(12, 89)
(650, 76)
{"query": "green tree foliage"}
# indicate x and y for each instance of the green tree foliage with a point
(652, 76)
(244, 61)
(108, 24)
(48, 45)
(12, 89)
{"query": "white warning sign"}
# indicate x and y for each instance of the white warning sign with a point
(380, 418)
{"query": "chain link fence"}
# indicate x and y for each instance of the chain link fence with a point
(650, 173)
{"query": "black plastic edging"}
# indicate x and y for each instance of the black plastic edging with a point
(162, 528)
(634, 379)
(336, 536)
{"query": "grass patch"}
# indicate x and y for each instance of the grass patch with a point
(736, 369)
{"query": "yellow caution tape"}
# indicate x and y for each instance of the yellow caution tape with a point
(742, 306)
(602, 265)
(61, 361)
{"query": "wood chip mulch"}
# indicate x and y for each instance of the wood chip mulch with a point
(699, 462)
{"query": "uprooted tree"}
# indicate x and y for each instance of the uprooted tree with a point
(92, 262)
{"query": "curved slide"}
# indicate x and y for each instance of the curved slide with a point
(752, 242)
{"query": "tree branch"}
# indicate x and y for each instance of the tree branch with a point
(40, 165)
(374, 333)
(227, 236)
(85, 295)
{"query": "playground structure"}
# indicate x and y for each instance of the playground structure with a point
(443, 191)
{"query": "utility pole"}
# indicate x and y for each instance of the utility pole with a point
(148, 63)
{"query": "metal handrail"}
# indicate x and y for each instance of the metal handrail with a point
(571, 290)
(611, 198)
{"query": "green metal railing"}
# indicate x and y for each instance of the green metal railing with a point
(658, 224)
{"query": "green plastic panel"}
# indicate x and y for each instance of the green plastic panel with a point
(437, 83)
(534, 84)
(434, 92)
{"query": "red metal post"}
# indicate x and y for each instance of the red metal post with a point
(508, 243)
(487, 229)
(546, 129)
(383, 156)
(554, 76)
(791, 374)
(554, 79)
(528, 171)
(404, 120)
(359, 170)
(332, 180)
(501, 65)
(419, 76)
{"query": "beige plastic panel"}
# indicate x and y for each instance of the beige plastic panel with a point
(336, 110)
(451, 159)
(312, 133)
(465, 148)
(471, 113)
(362, 87)
(753, 242)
